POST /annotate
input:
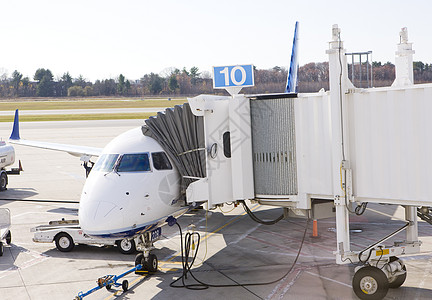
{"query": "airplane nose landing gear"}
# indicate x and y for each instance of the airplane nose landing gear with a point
(150, 264)
(148, 261)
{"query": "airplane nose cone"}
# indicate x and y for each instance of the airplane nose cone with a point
(100, 217)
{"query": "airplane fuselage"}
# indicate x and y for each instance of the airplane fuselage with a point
(130, 189)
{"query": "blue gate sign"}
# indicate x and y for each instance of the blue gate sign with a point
(233, 76)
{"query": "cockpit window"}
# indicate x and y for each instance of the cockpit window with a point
(161, 161)
(106, 162)
(137, 162)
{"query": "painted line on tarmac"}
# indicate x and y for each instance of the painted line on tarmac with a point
(288, 254)
(245, 235)
(207, 236)
(169, 261)
(424, 278)
(329, 279)
(282, 288)
(287, 237)
(282, 247)
(37, 258)
(286, 287)
(227, 224)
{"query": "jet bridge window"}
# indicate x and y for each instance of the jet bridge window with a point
(161, 161)
(226, 138)
(137, 162)
(106, 162)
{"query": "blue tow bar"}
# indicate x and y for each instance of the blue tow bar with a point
(108, 281)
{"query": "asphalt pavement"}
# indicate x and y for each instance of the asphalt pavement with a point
(237, 258)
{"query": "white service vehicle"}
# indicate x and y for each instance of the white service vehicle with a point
(7, 158)
(5, 223)
(67, 233)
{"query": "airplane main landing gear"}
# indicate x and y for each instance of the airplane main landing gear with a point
(372, 281)
(148, 261)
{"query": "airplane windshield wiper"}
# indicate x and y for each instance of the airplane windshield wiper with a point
(113, 171)
(115, 167)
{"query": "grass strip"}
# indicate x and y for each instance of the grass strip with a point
(77, 117)
(89, 104)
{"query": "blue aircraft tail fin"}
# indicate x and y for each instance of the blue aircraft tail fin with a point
(15, 130)
(292, 80)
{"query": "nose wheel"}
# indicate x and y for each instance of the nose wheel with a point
(149, 264)
(148, 260)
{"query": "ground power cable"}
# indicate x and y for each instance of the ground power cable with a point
(258, 220)
(203, 285)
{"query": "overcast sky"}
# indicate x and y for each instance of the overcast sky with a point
(102, 39)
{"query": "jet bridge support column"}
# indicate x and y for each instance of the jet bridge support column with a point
(339, 83)
(412, 230)
(342, 230)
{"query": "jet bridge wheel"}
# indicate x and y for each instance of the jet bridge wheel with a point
(397, 281)
(370, 283)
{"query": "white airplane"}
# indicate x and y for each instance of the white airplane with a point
(130, 191)
(133, 189)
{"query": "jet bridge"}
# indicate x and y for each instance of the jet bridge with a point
(343, 147)
(346, 147)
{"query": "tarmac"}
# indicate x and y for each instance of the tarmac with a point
(234, 254)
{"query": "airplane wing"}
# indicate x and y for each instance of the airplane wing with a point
(81, 151)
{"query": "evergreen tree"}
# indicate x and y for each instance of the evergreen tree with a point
(127, 87)
(16, 81)
(45, 86)
(173, 83)
(65, 83)
(155, 84)
(121, 85)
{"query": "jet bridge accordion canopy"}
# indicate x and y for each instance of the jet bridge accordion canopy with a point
(181, 135)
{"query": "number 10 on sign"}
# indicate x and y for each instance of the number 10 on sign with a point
(231, 76)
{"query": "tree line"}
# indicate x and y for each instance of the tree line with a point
(187, 82)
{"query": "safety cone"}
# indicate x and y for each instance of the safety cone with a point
(315, 228)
